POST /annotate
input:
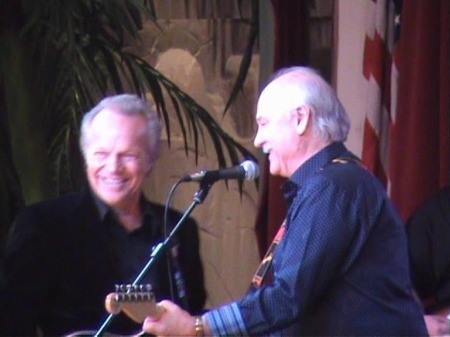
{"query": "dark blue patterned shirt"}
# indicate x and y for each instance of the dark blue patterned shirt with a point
(342, 267)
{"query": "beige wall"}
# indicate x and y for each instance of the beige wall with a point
(200, 49)
(349, 77)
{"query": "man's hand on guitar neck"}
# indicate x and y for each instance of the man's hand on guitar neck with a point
(174, 321)
(437, 325)
(438, 322)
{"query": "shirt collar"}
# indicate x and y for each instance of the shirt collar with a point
(310, 167)
(103, 209)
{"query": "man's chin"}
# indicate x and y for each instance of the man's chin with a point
(274, 170)
(112, 201)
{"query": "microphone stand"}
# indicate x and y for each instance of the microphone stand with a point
(161, 247)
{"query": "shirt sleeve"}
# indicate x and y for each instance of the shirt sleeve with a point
(226, 321)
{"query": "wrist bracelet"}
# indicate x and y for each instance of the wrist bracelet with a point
(199, 332)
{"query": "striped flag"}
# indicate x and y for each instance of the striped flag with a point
(403, 93)
(381, 75)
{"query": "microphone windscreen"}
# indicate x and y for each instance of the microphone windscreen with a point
(251, 170)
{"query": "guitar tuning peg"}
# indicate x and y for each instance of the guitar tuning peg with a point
(147, 296)
(145, 287)
(118, 296)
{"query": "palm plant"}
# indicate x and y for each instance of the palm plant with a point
(75, 51)
(57, 59)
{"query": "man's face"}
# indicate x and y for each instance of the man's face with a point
(277, 132)
(116, 158)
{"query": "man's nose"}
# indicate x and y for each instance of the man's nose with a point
(257, 142)
(113, 163)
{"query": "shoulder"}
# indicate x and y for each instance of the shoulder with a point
(350, 176)
(54, 209)
(69, 200)
(43, 223)
(440, 202)
(347, 185)
(435, 212)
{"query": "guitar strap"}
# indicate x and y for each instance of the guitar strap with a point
(262, 274)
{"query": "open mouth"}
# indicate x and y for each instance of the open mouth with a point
(266, 150)
(113, 182)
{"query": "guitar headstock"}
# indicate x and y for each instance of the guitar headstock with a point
(136, 301)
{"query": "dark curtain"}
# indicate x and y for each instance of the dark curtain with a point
(420, 149)
(291, 48)
(11, 199)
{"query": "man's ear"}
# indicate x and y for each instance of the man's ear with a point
(303, 115)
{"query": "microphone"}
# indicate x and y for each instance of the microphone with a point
(247, 170)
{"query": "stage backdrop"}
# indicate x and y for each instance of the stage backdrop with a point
(199, 46)
(395, 88)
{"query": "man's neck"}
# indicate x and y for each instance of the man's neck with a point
(310, 150)
(130, 217)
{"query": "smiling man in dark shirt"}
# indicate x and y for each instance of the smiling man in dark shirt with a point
(65, 255)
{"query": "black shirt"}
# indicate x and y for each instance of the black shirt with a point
(429, 251)
(65, 255)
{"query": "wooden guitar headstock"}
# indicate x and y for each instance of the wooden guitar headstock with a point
(136, 301)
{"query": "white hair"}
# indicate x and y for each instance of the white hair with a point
(330, 120)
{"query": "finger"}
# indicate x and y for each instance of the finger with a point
(167, 304)
(150, 325)
(152, 318)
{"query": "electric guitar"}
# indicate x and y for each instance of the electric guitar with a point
(136, 301)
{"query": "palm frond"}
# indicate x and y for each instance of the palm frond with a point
(79, 55)
(200, 119)
(247, 57)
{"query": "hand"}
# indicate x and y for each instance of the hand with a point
(437, 325)
(173, 322)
